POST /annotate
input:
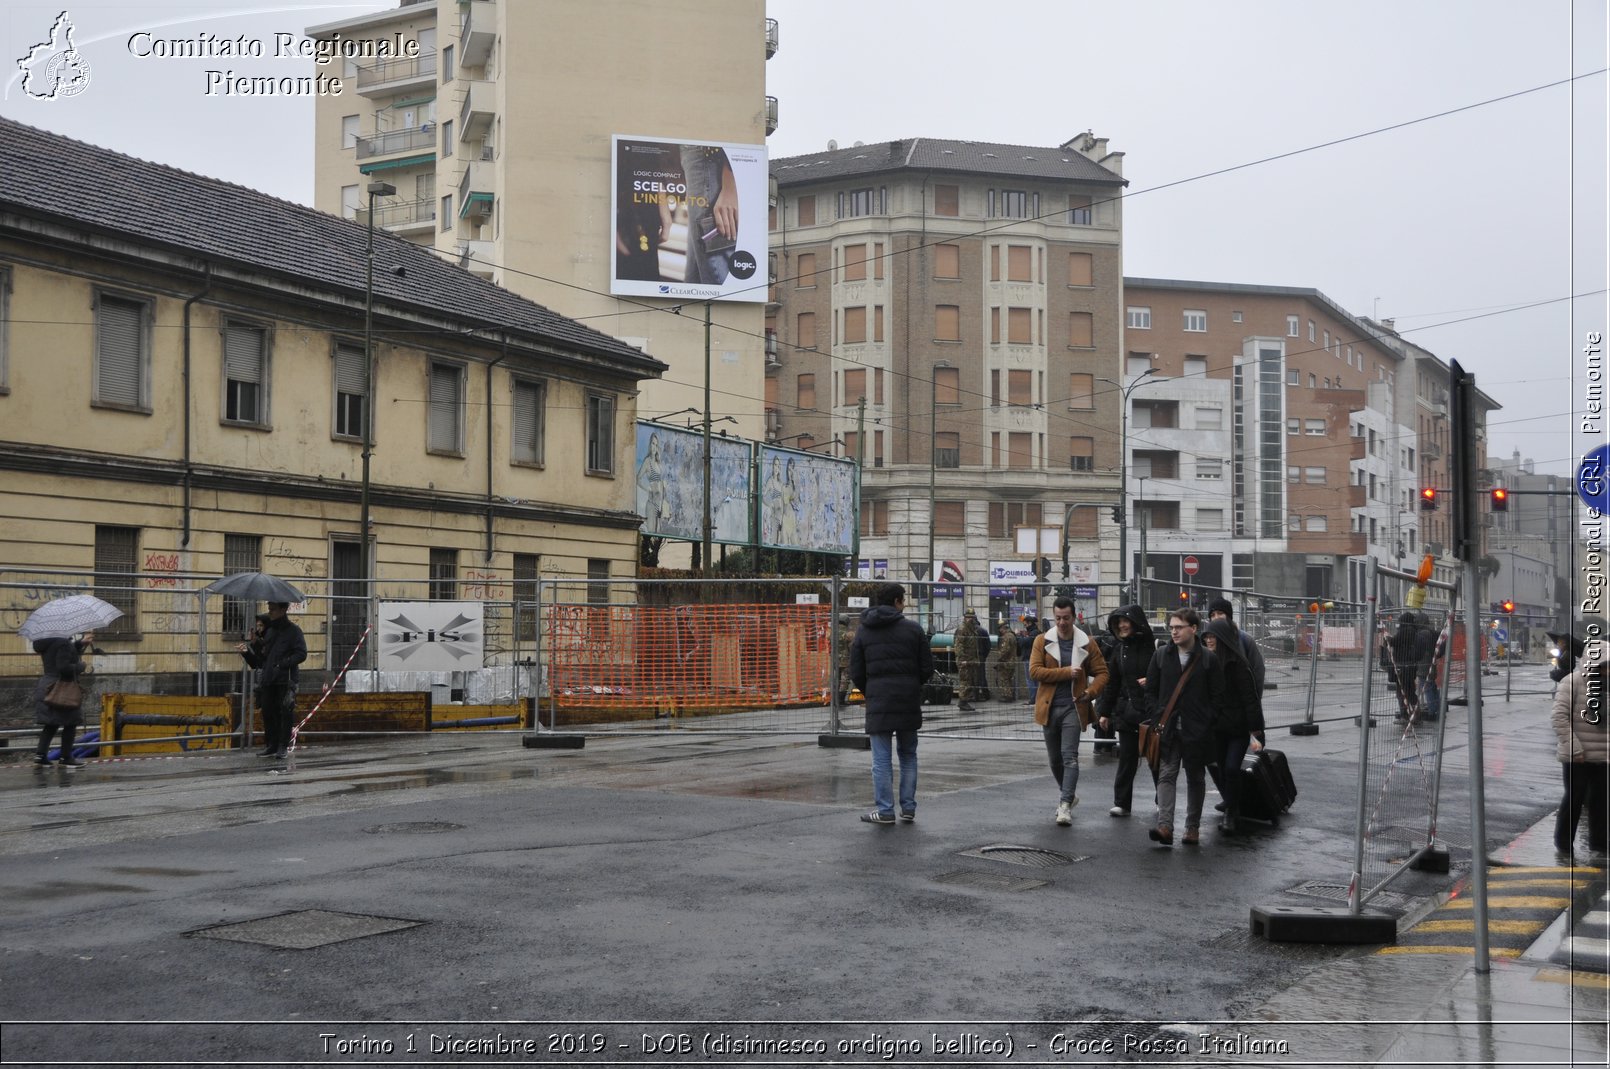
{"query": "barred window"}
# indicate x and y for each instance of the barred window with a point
(242, 553)
(443, 574)
(116, 561)
(525, 596)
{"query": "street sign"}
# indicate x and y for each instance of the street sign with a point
(1190, 565)
(1501, 634)
(858, 602)
(1593, 479)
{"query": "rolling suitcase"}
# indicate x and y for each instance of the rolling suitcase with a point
(1267, 789)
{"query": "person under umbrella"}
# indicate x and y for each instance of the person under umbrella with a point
(63, 661)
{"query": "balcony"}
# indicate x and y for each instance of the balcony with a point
(476, 113)
(392, 75)
(771, 116)
(772, 360)
(477, 30)
(401, 216)
(774, 424)
(475, 189)
(397, 142)
(1430, 450)
(771, 38)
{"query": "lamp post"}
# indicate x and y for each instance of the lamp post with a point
(376, 189)
(1123, 469)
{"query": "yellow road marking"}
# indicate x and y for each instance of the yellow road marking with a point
(1500, 871)
(1496, 952)
(1501, 927)
(1579, 979)
(1561, 882)
(1512, 902)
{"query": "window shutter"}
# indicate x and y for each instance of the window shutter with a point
(349, 370)
(243, 355)
(527, 408)
(443, 427)
(117, 370)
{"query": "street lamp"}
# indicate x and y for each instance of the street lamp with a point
(1123, 469)
(376, 189)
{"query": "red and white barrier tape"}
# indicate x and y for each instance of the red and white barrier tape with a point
(329, 689)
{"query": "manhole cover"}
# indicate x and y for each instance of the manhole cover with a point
(416, 827)
(1031, 856)
(304, 929)
(992, 881)
(1338, 892)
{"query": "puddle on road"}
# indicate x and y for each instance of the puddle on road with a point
(393, 781)
(156, 870)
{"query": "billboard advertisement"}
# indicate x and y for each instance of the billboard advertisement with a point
(689, 219)
(431, 636)
(670, 484)
(807, 501)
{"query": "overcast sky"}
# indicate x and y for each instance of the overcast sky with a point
(1460, 216)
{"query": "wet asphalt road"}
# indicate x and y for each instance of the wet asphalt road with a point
(674, 879)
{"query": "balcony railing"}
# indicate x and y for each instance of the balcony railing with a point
(771, 38)
(476, 114)
(394, 214)
(395, 141)
(771, 116)
(388, 71)
(476, 32)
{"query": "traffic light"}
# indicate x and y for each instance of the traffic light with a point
(1428, 499)
(1508, 607)
(1184, 597)
(1118, 514)
(1042, 568)
(1500, 499)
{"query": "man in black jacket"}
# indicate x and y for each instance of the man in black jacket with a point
(283, 649)
(1122, 704)
(1185, 664)
(890, 660)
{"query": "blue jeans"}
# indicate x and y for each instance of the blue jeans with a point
(883, 770)
(1062, 744)
(703, 172)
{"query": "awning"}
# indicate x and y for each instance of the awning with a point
(406, 161)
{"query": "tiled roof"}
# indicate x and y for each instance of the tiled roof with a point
(933, 154)
(49, 176)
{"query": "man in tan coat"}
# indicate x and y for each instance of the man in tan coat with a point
(1067, 665)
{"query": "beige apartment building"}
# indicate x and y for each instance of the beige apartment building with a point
(970, 295)
(183, 378)
(497, 135)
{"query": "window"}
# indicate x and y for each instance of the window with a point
(445, 421)
(600, 434)
(947, 386)
(1292, 326)
(1139, 318)
(947, 261)
(1195, 320)
(805, 330)
(947, 201)
(994, 263)
(1196, 367)
(1209, 418)
(947, 323)
(805, 210)
(1015, 204)
(877, 449)
(1137, 364)
(1081, 390)
(1314, 427)
(443, 574)
(447, 212)
(1313, 381)
(858, 202)
(805, 391)
(1294, 474)
(448, 140)
(597, 582)
(874, 518)
(877, 386)
(1235, 317)
(116, 556)
(995, 325)
(349, 131)
(1081, 269)
(1019, 450)
(5, 316)
(805, 271)
(1293, 377)
(1160, 414)
(877, 335)
(242, 553)
(855, 263)
(447, 63)
(1326, 335)
(1078, 210)
(1209, 519)
(349, 380)
(950, 518)
(855, 325)
(852, 445)
(1020, 326)
(1019, 263)
(530, 419)
(525, 596)
(1294, 522)
(1209, 467)
(351, 202)
(1316, 524)
(854, 385)
(947, 449)
(122, 353)
(1314, 476)
(1081, 453)
(1311, 330)
(877, 259)
(1006, 516)
(1019, 387)
(245, 374)
(1081, 330)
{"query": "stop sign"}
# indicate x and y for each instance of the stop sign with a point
(1190, 565)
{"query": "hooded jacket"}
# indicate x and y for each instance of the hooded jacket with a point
(1087, 673)
(1123, 699)
(1582, 695)
(890, 660)
(1242, 711)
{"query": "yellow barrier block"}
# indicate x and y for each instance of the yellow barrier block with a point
(128, 718)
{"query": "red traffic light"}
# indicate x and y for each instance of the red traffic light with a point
(1428, 499)
(1184, 597)
(1508, 607)
(1500, 499)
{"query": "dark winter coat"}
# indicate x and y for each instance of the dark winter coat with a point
(889, 662)
(1242, 712)
(1123, 699)
(1196, 714)
(283, 649)
(1400, 656)
(61, 658)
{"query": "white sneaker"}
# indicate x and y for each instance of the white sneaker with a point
(1065, 814)
(1118, 811)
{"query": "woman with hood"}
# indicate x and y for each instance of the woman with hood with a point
(1240, 718)
(1122, 704)
(63, 659)
(1581, 708)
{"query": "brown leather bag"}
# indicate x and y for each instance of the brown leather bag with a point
(1150, 742)
(65, 695)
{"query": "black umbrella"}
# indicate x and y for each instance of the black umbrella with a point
(255, 586)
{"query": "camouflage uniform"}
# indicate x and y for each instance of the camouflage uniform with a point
(1003, 681)
(969, 665)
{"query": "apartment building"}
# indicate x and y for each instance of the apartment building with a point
(949, 312)
(1262, 420)
(497, 140)
(1540, 525)
(186, 389)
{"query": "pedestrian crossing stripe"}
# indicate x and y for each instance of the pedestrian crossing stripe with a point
(1499, 927)
(1512, 902)
(1496, 952)
(1559, 883)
